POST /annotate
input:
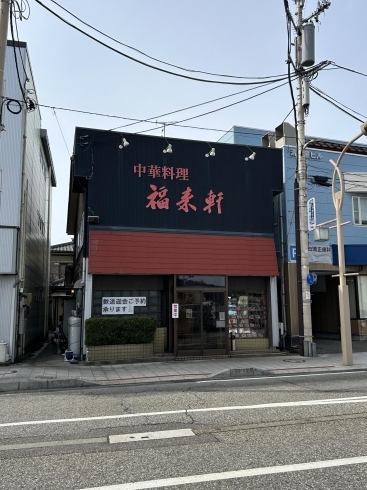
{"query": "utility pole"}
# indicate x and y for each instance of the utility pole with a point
(304, 57)
(4, 21)
(302, 190)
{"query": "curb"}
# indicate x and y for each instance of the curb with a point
(48, 384)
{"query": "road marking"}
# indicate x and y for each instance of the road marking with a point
(230, 475)
(32, 445)
(148, 436)
(277, 377)
(304, 403)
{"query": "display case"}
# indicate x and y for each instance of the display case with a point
(247, 315)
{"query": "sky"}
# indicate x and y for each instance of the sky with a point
(245, 38)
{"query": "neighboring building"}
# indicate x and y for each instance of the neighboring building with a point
(323, 256)
(62, 299)
(26, 178)
(61, 263)
(155, 228)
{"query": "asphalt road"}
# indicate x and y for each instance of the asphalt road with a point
(289, 432)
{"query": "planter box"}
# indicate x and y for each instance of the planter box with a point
(252, 344)
(119, 352)
(160, 341)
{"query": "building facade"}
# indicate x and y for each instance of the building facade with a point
(323, 256)
(183, 233)
(26, 179)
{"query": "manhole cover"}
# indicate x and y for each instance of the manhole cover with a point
(44, 377)
(295, 361)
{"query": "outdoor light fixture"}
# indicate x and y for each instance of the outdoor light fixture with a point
(168, 149)
(123, 144)
(211, 153)
(251, 157)
(93, 219)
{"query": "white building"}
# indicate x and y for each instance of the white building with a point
(26, 178)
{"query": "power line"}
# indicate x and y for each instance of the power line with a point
(147, 64)
(192, 106)
(349, 69)
(157, 59)
(346, 107)
(220, 108)
(325, 97)
(62, 134)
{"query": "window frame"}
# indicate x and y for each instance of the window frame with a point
(357, 199)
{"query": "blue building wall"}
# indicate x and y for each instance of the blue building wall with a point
(318, 164)
(239, 135)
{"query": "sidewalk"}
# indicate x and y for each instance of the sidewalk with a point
(46, 371)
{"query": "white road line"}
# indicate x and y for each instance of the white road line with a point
(148, 436)
(230, 475)
(67, 442)
(305, 403)
(277, 377)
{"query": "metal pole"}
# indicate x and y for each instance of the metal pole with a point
(344, 309)
(302, 179)
(4, 21)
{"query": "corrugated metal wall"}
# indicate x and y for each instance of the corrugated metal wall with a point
(23, 133)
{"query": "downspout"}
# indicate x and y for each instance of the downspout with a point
(47, 271)
(282, 280)
(22, 240)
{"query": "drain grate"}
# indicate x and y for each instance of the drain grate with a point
(44, 377)
(11, 372)
(295, 361)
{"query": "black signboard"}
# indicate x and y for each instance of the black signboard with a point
(142, 187)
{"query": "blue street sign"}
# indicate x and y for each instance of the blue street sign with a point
(311, 278)
(292, 253)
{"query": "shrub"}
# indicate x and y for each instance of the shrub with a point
(117, 331)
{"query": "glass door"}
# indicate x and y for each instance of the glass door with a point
(201, 323)
(214, 323)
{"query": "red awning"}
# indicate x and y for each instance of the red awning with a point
(126, 252)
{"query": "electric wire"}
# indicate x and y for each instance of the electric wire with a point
(218, 109)
(15, 52)
(350, 69)
(62, 134)
(157, 59)
(191, 107)
(317, 92)
(147, 64)
(329, 96)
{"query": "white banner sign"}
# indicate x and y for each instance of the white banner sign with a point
(311, 213)
(320, 254)
(121, 305)
(175, 310)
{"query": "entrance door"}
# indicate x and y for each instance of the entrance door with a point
(201, 323)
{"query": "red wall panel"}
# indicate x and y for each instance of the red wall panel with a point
(120, 252)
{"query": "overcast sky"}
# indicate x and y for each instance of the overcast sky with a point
(235, 37)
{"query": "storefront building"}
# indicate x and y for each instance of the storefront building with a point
(185, 235)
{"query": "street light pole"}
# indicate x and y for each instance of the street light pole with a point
(344, 310)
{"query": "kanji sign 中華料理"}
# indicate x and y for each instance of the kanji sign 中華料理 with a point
(155, 171)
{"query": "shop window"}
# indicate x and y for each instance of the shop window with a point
(362, 296)
(201, 281)
(153, 302)
(247, 314)
(352, 297)
(360, 210)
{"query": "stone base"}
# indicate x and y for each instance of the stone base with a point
(119, 352)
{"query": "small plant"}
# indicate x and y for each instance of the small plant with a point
(117, 331)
